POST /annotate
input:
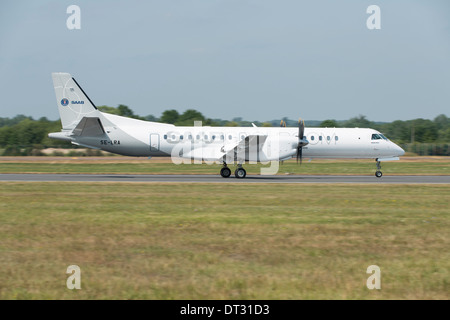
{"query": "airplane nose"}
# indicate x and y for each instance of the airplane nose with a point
(399, 150)
(396, 150)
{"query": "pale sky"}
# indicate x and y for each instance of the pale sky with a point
(259, 60)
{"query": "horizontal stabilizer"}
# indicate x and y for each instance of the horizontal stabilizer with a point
(89, 126)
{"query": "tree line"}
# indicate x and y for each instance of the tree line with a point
(24, 135)
(409, 131)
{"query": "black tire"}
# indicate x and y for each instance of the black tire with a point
(225, 172)
(240, 173)
(378, 174)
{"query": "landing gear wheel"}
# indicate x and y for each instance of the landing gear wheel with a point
(240, 173)
(378, 173)
(225, 172)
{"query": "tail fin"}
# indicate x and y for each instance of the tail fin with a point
(73, 103)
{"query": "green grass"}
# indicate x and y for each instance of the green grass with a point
(355, 167)
(213, 241)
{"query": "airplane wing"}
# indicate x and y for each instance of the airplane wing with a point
(249, 144)
(89, 126)
(246, 148)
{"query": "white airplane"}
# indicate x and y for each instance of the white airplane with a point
(84, 125)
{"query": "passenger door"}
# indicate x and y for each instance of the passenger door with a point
(154, 142)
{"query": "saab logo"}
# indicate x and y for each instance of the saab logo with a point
(64, 102)
(77, 102)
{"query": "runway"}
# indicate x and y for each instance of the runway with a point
(218, 179)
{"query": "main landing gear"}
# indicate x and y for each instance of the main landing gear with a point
(225, 172)
(378, 173)
(239, 173)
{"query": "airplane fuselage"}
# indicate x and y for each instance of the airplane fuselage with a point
(151, 139)
(85, 125)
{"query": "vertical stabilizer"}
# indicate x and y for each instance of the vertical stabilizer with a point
(73, 103)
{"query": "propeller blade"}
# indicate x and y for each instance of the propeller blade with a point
(301, 128)
(301, 142)
(299, 154)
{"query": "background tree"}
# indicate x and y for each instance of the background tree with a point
(170, 116)
(110, 110)
(189, 116)
(424, 130)
(232, 124)
(399, 131)
(22, 135)
(358, 122)
(125, 111)
(151, 118)
(329, 124)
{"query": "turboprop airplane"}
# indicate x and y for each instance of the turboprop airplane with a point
(84, 125)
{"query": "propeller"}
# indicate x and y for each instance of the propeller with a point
(301, 139)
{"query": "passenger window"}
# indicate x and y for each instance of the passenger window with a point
(230, 137)
(213, 137)
(181, 137)
(198, 137)
(320, 138)
(336, 138)
(328, 138)
(222, 137)
(312, 138)
(165, 137)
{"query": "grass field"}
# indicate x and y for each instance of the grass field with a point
(213, 241)
(127, 165)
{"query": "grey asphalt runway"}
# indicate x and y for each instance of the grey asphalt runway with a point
(219, 179)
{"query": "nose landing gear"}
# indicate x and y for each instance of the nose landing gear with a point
(378, 173)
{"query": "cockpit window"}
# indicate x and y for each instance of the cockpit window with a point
(376, 137)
